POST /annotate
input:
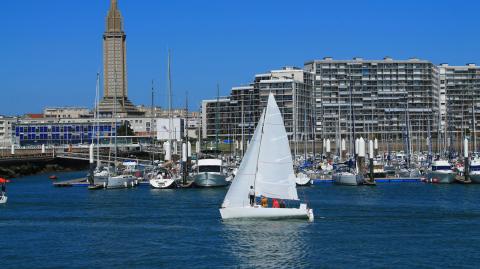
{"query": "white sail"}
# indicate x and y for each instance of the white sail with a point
(237, 195)
(275, 176)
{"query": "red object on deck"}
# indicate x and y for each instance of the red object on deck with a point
(52, 177)
(3, 181)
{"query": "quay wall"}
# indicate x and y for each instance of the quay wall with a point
(22, 167)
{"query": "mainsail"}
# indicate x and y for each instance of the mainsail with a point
(275, 176)
(267, 165)
(237, 195)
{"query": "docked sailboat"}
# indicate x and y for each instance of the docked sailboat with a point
(267, 166)
(351, 174)
(163, 179)
(344, 175)
(302, 179)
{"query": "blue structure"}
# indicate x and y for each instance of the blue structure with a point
(26, 134)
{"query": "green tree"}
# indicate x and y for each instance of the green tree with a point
(125, 130)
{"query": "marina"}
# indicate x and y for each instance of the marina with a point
(228, 141)
(127, 228)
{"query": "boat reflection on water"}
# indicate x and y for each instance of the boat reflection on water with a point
(268, 244)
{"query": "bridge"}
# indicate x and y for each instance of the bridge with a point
(102, 158)
(78, 152)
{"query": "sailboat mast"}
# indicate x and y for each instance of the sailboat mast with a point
(352, 124)
(151, 124)
(97, 124)
(259, 145)
(407, 119)
(216, 116)
(170, 120)
(474, 128)
(305, 133)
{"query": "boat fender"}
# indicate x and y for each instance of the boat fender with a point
(136, 182)
(125, 184)
(311, 217)
(133, 184)
(104, 184)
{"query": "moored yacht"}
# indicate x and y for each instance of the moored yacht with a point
(100, 175)
(441, 172)
(343, 175)
(210, 173)
(163, 179)
(125, 178)
(474, 170)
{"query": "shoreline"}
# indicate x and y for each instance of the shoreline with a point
(21, 169)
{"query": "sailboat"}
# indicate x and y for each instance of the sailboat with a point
(267, 167)
(350, 174)
(162, 178)
(3, 192)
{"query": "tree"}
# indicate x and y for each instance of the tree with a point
(125, 130)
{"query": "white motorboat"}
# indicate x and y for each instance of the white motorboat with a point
(267, 166)
(210, 173)
(441, 172)
(474, 170)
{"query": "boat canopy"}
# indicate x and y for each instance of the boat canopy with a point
(209, 162)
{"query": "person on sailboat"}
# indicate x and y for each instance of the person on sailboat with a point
(264, 201)
(251, 195)
(275, 203)
(282, 204)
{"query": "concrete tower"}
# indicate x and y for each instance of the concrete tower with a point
(115, 66)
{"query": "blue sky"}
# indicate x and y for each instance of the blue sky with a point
(50, 50)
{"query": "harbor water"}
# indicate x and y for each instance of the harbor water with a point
(392, 225)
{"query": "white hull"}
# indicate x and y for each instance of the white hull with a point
(348, 179)
(3, 199)
(99, 180)
(302, 180)
(258, 212)
(167, 183)
(210, 180)
(444, 177)
(119, 182)
(475, 177)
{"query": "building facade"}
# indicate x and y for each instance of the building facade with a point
(38, 132)
(217, 118)
(235, 117)
(67, 112)
(460, 102)
(6, 130)
(374, 98)
(64, 131)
